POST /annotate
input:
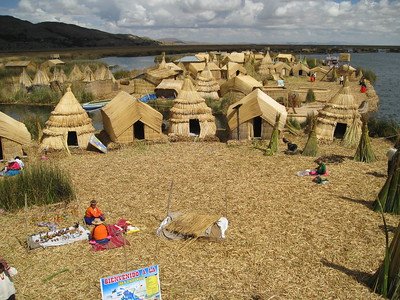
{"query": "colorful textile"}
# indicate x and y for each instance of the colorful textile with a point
(115, 236)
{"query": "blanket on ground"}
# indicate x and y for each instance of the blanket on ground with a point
(115, 236)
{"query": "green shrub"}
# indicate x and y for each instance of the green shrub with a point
(6, 73)
(383, 128)
(42, 183)
(368, 74)
(43, 95)
(215, 105)
(293, 122)
(78, 88)
(161, 105)
(122, 74)
(33, 123)
(226, 101)
(310, 96)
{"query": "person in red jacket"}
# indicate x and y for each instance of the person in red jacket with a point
(93, 212)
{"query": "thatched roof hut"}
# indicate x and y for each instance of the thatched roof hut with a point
(168, 88)
(321, 72)
(76, 74)
(300, 70)
(21, 64)
(126, 119)
(174, 67)
(282, 68)
(24, 79)
(68, 124)
(13, 137)
(266, 66)
(334, 118)
(231, 70)
(41, 78)
(240, 86)
(206, 85)
(88, 75)
(257, 116)
(190, 115)
(286, 58)
(236, 57)
(197, 68)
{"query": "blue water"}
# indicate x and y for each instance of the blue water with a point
(129, 63)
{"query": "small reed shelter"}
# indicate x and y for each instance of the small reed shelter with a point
(240, 86)
(68, 125)
(231, 70)
(190, 115)
(255, 115)
(266, 66)
(339, 113)
(24, 80)
(168, 88)
(206, 85)
(300, 69)
(13, 137)
(76, 74)
(126, 119)
(41, 78)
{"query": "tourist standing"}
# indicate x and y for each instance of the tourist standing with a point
(7, 289)
(341, 80)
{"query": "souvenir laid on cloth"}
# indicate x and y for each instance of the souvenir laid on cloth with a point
(320, 180)
(58, 237)
(310, 172)
(179, 225)
(115, 236)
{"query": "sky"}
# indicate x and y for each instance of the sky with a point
(371, 22)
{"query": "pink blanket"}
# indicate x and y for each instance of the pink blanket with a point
(116, 237)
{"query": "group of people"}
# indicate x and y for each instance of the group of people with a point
(94, 216)
(13, 167)
(363, 85)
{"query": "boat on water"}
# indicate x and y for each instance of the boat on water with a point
(94, 105)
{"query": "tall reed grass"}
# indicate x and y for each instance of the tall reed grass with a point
(42, 183)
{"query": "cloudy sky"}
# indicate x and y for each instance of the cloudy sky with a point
(226, 21)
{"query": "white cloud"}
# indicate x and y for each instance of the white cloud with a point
(262, 21)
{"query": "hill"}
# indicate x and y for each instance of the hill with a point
(18, 34)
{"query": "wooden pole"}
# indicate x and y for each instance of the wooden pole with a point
(169, 197)
(26, 219)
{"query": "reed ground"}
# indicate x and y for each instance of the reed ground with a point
(289, 238)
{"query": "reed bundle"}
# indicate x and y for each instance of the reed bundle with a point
(192, 224)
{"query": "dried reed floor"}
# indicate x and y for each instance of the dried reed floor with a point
(289, 238)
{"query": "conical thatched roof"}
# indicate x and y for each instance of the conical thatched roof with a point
(100, 73)
(340, 109)
(88, 75)
(67, 116)
(241, 83)
(302, 67)
(189, 105)
(13, 130)
(206, 85)
(76, 74)
(41, 78)
(24, 79)
(155, 76)
(267, 66)
(62, 77)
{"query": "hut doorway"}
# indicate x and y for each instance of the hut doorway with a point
(72, 139)
(300, 72)
(138, 130)
(1, 150)
(257, 126)
(194, 126)
(340, 130)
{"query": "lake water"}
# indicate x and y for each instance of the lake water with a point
(385, 66)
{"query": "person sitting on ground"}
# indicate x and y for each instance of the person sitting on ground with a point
(13, 167)
(93, 212)
(321, 168)
(7, 289)
(291, 147)
(99, 232)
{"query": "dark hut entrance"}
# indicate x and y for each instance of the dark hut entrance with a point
(72, 139)
(300, 72)
(194, 126)
(340, 130)
(138, 130)
(257, 125)
(237, 73)
(1, 150)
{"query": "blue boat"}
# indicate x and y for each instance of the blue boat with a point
(94, 105)
(148, 97)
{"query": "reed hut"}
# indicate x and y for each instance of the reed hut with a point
(174, 67)
(320, 72)
(68, 125)
(190, 115)
(231, 70)
(339, 113)
(127, 119)
(206, 85)
(282, 69)
(24, 79)
(13, 137)
(300, 70)
(196, 69)
(21, 64)
(76, 74)
(168, 88)
(255, 115)
(236, 57)
(267, 66)
(88, 75)
(59, 76)
(286, 58)
(41, 78)
(240, 86)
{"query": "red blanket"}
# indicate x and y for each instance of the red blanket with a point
(116, 237)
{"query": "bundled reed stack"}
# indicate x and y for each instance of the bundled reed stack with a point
(100, 73)
(389, 196)
(68, 125)
(311, 147)
(339, 111)
(88, 75)
(190, 114)
(273, 143)
(364, 151)
(41, 79)
(353, 133)
(266, 66)
(24, 79)
(386, 280)
(59, 76)
(206, 85)
(76, 74)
